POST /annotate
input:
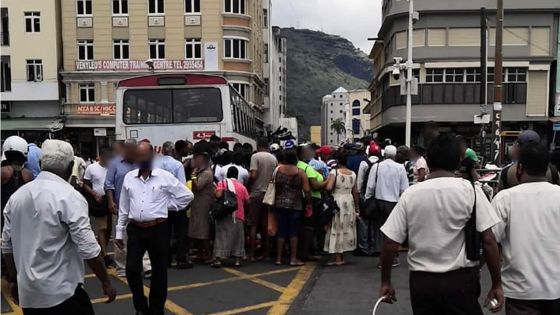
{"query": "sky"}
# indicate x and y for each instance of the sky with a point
(355, 20)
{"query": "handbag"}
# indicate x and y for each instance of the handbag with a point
(370, 207)
(226, 205)
(329, 208)
(270, 195)
(473, 238)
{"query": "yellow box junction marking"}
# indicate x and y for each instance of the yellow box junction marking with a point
(294, 288)
(262, 282)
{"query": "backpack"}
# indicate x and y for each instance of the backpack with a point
(366, 176)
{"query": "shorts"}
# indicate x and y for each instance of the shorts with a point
(103, 223)
(256, 210)
(288, 222)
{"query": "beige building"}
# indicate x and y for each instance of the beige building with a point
(31, 56)
(315, 134)
(106, 41)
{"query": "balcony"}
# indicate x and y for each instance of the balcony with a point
(5, 38)
(455, 93)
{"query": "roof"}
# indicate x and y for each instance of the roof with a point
(340, 90)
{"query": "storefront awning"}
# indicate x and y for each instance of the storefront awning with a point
(22, 124)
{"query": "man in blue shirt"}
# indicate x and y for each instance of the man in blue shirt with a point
(34, 154)
(119, 166)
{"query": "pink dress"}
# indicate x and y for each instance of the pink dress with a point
(242, 196)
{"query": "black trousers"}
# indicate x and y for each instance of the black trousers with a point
(178, 226)
(450, 293)
(79, 303)
(532, 307)
(155, 240)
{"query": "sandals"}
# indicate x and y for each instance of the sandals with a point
(336, 263)
(216, 264)
(297, 263)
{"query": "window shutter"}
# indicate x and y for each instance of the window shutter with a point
(464, 37)
(436, 37)
(540, 41)
(537, 94)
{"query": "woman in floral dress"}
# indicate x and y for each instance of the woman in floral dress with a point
(341, 232)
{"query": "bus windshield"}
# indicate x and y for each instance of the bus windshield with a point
(166, 106)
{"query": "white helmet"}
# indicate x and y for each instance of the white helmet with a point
(15, 143)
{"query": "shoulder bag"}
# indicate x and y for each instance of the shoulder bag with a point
(370, 207)
(226, 205)
(329, 206)
(473, 246)
(270, 195)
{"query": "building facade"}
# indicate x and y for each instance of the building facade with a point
(31, 57)
(275, 78)
(446, 54)
(349, 108)
(107, 41)
(315, 134)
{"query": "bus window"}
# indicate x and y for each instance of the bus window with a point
(197, 105)
(147, 106)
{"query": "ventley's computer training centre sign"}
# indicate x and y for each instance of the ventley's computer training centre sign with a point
(138, 65)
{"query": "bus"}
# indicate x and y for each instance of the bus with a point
(171, 107)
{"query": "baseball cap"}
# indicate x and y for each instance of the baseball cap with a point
(325, 150)
(528, 136)
(390, 150)
(374, 148)
(290, 144)
(471, 154)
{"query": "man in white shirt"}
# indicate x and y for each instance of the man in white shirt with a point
(529, 233)
(147, 194)
(386, 182)
(46, 238)
(431, 216)
(237, 161)
(178, 221)
(94, 180)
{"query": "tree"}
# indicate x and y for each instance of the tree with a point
(339, 127)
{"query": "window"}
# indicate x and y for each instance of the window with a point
(356, 103)
(242, 89)
(157, 48)
(355, 111)
(6, 80)
(434, 75)
(34, 69)
(355, 126)
(32, 22)
(153, 106)
(193, 48)
(5, 27)
(266, 53)
(192, 6)
(83, 7)
(85, 50)
(120, 7)
(87, 93)
(473, 75)
(235, 6)
(265, 18)
(156, 7)
(120, 49)
(516, 74)
(454, 75)
(235, 48)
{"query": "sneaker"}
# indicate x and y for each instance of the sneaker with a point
(396, 262)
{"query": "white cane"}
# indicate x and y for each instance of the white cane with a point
(377, 304)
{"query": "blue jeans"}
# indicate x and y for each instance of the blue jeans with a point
(288, 222)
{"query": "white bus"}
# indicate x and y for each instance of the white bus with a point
(170, 107)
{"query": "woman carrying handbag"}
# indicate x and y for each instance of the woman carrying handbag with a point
(341, 232)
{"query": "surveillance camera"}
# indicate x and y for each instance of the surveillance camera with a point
(396, 73)
(397, 59)
(415, 17)
(150, 64)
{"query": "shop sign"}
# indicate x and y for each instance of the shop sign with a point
(100, 132)
(203, 135)
(138, 65)
(94, 109)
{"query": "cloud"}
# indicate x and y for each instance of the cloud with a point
(355, 20)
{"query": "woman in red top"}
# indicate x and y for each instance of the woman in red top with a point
(230, 237)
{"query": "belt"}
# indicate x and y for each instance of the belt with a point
(147, 224)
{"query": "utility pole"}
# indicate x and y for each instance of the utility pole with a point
(483, 79)
(497, 115)
(408, 121)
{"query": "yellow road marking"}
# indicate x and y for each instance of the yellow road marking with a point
(292, 291)
(245, 309)
(169, 305)
(262, 282)
(16, 310)
(247, 277)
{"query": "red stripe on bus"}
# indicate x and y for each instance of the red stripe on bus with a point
(191, 79)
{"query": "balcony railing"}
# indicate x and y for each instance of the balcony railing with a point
(455, 93)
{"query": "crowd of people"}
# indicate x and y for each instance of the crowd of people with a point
(210, 203)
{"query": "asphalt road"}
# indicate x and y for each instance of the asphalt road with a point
(263, 288)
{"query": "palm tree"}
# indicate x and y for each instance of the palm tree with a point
(339, 127)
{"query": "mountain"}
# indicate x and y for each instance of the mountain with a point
(318, 63)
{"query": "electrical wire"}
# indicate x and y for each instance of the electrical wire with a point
(519, 37)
